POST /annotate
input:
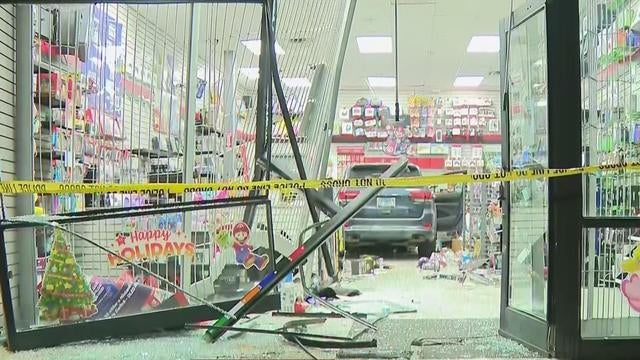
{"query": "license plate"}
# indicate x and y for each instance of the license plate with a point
(386, 203)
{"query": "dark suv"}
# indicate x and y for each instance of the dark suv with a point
(395, 217)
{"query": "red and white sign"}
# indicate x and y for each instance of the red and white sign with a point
(149, 245)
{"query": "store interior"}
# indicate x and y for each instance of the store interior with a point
(449, 122)
(113, 109)
(170, 94)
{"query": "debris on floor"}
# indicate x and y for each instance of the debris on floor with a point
(447, 339)
(415, 319)
(374, 307)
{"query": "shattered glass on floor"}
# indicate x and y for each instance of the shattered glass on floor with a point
(440, 339)
(442, 319)
(444, 339)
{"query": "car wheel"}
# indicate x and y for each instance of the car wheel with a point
(425, 249)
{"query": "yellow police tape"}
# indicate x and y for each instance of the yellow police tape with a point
(39, 187)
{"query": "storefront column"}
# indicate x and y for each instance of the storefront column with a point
(190, 126)
(26, 250)
(565, 193)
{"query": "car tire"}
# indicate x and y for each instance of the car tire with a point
(425, 249)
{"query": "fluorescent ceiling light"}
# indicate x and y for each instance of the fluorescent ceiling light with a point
(255, 46)
(468, 81)
(484, 44)
(381, 81)
(252, 73)
(296, 82)
(374, 44)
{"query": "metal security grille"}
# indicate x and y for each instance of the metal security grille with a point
(311, 31)
(306, 32)
(110, 105)
(610, 42)
(608, 307)
(168, 94)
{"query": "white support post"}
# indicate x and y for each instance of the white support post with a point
(230, 121)
(190, 129)
(26, 247)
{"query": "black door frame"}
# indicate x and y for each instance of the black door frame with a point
(555, 335)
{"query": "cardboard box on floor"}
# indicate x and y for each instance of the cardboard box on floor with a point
(456, 244)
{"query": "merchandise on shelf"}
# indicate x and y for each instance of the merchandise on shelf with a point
(437, 119)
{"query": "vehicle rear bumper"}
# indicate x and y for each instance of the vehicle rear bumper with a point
(387, 234)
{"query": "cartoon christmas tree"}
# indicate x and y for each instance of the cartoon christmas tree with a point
(66, 294)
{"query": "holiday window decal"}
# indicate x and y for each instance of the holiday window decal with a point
(150, 245)
(223, 237)
(244, 250)
(237, 236)
(65, 294)
(630, 286)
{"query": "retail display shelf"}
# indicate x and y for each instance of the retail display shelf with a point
(44, 67)
(301, 139)
(109, 137)
(55, 124)
(54, 154)
(484, 139)
(167, 178)
(209, 152)
(205, 130)
(154, 154)
(614, 68)
(422, 162)
(52, 102)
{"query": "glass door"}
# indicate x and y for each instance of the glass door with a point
(524, 300)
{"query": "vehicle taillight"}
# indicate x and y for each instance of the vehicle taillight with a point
(346, 195)
(427, 226)
(420, 195)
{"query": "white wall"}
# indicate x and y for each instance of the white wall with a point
(7, 125)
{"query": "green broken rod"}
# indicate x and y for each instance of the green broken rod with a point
(299, 255)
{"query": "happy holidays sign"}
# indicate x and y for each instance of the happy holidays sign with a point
(149, 245)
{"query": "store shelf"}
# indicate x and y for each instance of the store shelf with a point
(206, 130)
(51, 102)
(52, 154)
(485, 139)
(301, 139)
(168, 178)
(155, 154)
(422, 162)
(54, 124)
(43, 67)
(209, 152)
(108, 137)
(613, 69)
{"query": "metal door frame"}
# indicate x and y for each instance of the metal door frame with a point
(515, 324)
(554, 335)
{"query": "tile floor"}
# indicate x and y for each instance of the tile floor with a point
(459, 321)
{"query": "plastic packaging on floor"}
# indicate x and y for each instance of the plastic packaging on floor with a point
(459, 266)
(377, 308)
